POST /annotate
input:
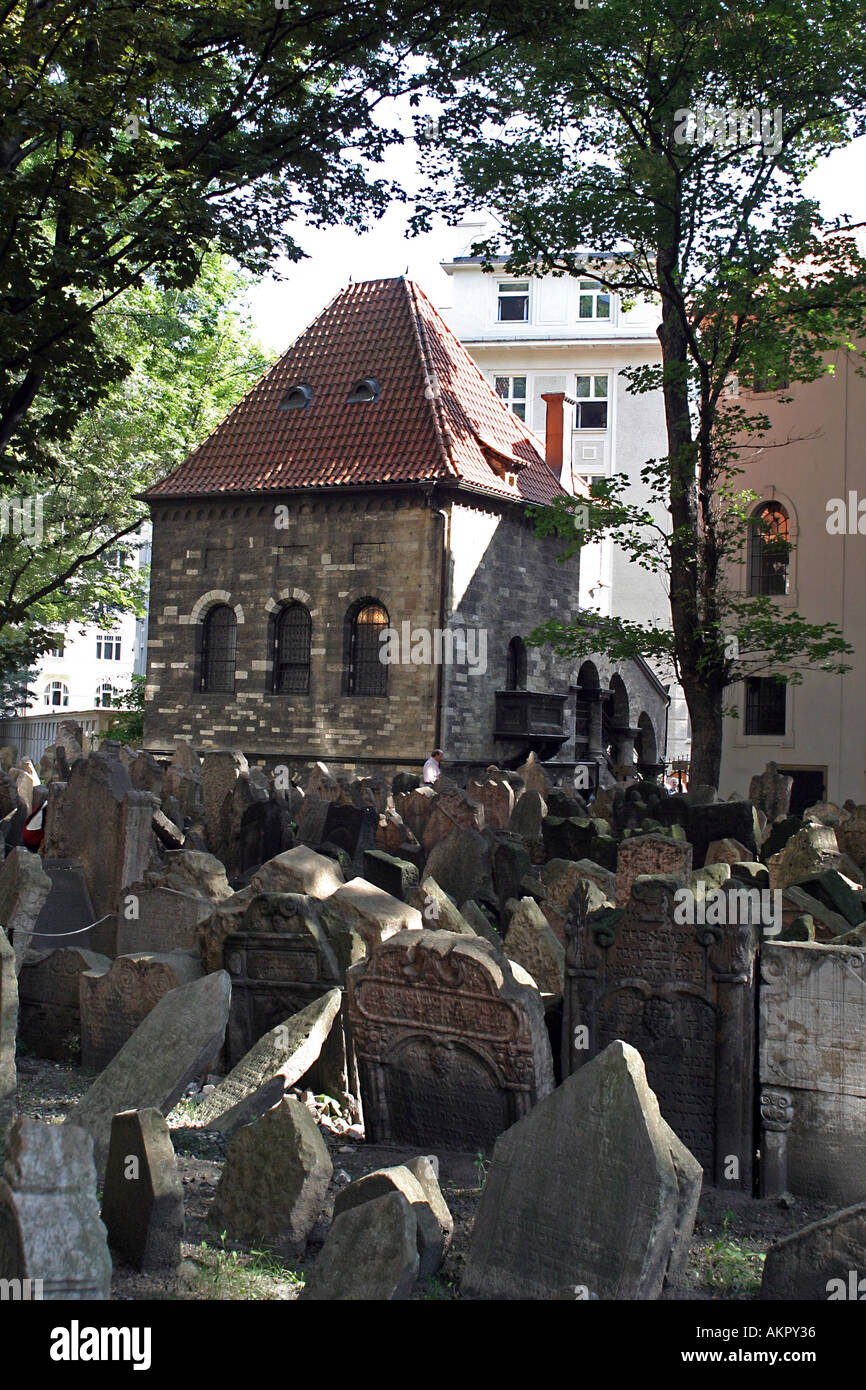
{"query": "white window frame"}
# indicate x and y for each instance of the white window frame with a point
(105, 640)
(63, 688)
(100, 691)
(595, 291)
(508, 289)
(593, 378)
(511, 399)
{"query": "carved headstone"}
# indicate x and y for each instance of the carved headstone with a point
(299, 870)
(771, 792)
(532, 942)
(49, 1017)
(142, 1198)
(812, 1030)
(219, 774)
(115, 999)
(684, 996)
(651, 854)
(592, 1192)
(371, 1254)
(450, 1038)
(49, 1219)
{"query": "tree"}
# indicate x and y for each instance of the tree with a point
(128, 727)
(670, 141)
(138, 136)
(67, 552)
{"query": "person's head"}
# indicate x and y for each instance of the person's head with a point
(437, 754)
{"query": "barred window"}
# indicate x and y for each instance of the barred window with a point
(769, 550)
(365, 673)
(765, 706)
(292, 632)
(57, 693)
(218, 650)
(104, 695)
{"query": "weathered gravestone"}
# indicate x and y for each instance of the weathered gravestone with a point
(532, 942)
(496, 797)
(49, 1017)
(49, 1219)
(177, 1041)
(450, 1039)
(812, 1031)
(591, 1191)
(66, 910)
(352, 828)
(273, 1184)
(651, 854)
(299, 870)
(114, 999)
(684, 996)
(219, 774)
(159, 918)
(824, 1262)
(771, 791)
(265, 831)
(142, 1198)
(374, 915)
(460, 863)
(273, 1065)
(371, 1254)
(430, 1235)
(24, 888)
(8, 1027)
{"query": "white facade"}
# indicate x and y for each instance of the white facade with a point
(565, 334)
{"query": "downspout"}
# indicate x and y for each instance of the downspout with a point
(444, 552)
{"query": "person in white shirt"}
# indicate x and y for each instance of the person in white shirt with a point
(431, 769)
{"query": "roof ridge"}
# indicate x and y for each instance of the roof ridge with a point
(443, 434)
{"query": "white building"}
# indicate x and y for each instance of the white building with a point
(549, 334)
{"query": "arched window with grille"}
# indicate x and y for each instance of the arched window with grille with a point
(515, 669)
(219, 650)
(769, 549)
(292, 630)
(365, 674)
(104, 695)
(57, 694)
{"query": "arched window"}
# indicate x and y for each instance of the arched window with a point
(515, 670)
(56, 693)
(218, 650)
(292, 630)
(366, 674)
(104, 695)
(769, 549)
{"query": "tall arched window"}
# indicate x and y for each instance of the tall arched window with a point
(365, 673)
(769, 549)
(515, 670)
(104, 695)
(292, 630)
(57, 693)
(218, 651)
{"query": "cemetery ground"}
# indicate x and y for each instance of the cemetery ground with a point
(732, 1230)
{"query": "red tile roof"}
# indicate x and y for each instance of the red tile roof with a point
(436, 418)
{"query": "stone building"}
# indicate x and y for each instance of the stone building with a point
(368, 499)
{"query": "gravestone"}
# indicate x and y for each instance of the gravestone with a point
(371, 1254)
(450, 1038)
(180, 1038)
(511, 865)
(684, 996)
(311, 820)
(395, 876)
(299, 870)
(534, 776)
(771, 792)
(451, 809)
(560, 878)
(49, 1219)
(24, 888)
(532, 942)
(851, 836)
(159, 919)
(528, 815)
(273, 1065)
(66, 910)
(430, 1238)
(374, 915)
(812, 1030)
(352, 828)
(114, 999)
(651, 854)
(49, 1018)
(460, 863)
(415, 807)
(724, 820)
(825, 1261)
(808, 852)
(8, 1027)
(591, 1191)
(496, 797)
(225, 919)
(274, 1181)
(142, 1197)
(438, 910)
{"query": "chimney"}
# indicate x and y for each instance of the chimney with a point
(553, 427)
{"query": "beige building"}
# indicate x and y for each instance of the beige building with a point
(810, 484)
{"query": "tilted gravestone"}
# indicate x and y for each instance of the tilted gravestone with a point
(177, 1041)
(591, 1192)
(371, 1254)
(826, 1260)
(49, 1017)
(812, 1029)
(684, 996)
(450, 1038)
(24, 888)
(651, 854)
(142, 1199)
(771, 791)
(49, 1219)
(8, 1026)
(115, 998)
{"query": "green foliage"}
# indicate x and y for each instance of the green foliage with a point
(129, 727)
(732, 1267)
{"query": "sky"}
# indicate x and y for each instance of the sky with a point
(282, 309)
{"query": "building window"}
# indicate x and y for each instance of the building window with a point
(104, 696)
(590, 413)
(594, 300)
(365, 673)
(297, 399)
(108, 646)
(513, 301)
(56, 693)
(769, 549)
(292, 631)
(515, 670)
(219, 650)
(765, 706)
(512, 390)
(59, 647)
(366, 390)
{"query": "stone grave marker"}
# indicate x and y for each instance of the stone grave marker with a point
(823, 1262)
(142, 1198)
(8, 1027)
(49, 1017)
(371, 1254)
(592, 1190)
(651, 854)
(24, 888)
(114, 999)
